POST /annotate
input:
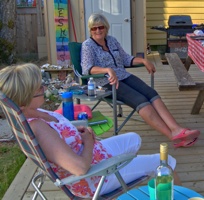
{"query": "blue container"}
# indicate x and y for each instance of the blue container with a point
(82, 116)
(68, 105)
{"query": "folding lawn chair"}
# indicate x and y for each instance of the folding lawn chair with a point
(75, 54)
(31, 148)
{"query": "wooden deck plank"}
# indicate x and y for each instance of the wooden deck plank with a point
(190, 161)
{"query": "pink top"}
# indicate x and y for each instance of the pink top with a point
(67, 132)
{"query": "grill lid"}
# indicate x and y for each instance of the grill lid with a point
(182, 21)
(179, 25)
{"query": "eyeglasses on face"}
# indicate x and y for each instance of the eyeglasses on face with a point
(97, 27)
(41, 89)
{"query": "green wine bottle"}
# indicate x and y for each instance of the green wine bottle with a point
(164, 180)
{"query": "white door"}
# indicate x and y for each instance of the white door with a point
(118, 14)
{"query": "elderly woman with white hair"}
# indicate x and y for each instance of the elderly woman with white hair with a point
(102, 54)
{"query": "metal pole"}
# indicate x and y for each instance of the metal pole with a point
(115, 110)
(152, 81)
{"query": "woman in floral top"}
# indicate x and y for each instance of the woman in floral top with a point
(102, 54)
(70, 149)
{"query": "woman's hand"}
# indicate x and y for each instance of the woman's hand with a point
(113, 79)
(87, 134)
(149, 66)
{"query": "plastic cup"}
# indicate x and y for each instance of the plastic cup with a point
(164, 190)
(151, 188)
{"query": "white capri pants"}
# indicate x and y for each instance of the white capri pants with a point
(140, 165)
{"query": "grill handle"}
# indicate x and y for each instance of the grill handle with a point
(180, 22)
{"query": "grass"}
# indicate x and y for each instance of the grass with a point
(11, 160)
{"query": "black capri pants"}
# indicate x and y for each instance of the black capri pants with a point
(134, 92)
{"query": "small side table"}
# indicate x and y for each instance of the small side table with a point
(91, 98)
(142, 193)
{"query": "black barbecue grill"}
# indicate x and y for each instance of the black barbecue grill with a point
(179, 25)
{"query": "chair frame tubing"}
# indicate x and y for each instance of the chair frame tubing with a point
(41, 177)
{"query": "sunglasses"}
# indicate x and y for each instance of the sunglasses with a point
(97, 27)
(41, 90)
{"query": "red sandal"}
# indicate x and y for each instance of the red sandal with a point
(183, 136)
(182, 143)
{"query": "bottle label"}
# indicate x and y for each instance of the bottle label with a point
(91, 87)
(68, 100)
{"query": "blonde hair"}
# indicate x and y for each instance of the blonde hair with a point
(97, 18)
(20, 82)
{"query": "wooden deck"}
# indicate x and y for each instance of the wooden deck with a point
(190, 161)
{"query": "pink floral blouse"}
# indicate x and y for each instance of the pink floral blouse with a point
(84, 188)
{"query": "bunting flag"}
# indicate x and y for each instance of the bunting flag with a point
(62, 32)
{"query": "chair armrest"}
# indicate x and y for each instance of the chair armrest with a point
(93, 75)
(106, 167)
(135, 66)
(79, 123)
